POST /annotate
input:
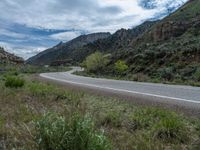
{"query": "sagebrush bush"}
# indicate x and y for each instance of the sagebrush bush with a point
(78, 133)
(14, 82)
(166, 73)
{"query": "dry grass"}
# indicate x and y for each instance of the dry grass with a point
(127, 126)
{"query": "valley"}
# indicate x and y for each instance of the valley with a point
(125, 89)
(169, 47)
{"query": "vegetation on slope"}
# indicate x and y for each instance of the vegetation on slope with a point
(165, 51)
(169, 52)
(187, 12)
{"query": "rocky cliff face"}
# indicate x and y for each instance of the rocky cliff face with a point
(171, 29)
(6, 57)
(167, 30)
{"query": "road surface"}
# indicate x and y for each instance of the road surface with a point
(150, 92)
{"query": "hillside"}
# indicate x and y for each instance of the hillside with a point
(102, 41)
(169, 47)
(168, 52)
(6, 58)
(61, 50)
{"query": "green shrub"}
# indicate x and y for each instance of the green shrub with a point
(14, 82)
(96, 62)
(197, 74)
(77, 133)
(171, 129)
(120, 66)
(167, 73)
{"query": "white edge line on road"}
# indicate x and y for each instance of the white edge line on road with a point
(121, 90)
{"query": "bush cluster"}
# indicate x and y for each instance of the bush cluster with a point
(96, 62)
(121, 66)
(14, 82)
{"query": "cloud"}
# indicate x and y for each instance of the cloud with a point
(8, 33)
(29, 24)
(25, 51)
(164, 4)
(66, 36)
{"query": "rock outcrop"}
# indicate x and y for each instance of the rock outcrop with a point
(6, 57)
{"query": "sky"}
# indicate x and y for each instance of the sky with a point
(28, 27)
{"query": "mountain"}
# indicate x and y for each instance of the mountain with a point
(117, 41)
(7, 58)
(169, 51)
(79, 48)
(60, 51)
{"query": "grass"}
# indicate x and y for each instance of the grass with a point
(44, 116)
(76, 133)
(29, 69)
(171, 130)
(14, 82)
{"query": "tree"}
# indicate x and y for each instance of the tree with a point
(96, 62)
(121, 66)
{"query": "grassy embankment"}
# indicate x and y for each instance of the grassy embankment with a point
(36, 115)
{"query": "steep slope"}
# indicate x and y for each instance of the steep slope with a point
(170, 51)
(7, 58)
(174, 25)
(60, 51)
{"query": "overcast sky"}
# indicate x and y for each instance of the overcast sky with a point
(30, 26)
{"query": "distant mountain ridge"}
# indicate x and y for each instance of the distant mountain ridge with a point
(8, 58)
(80, 47)
(53, 54)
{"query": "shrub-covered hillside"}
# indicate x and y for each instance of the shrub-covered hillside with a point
(168, 52)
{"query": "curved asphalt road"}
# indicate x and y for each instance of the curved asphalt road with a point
(180, 95)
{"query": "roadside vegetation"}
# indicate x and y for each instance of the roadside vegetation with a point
(10, 69)
(145, 70)
(95, 62)
(43, 116)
